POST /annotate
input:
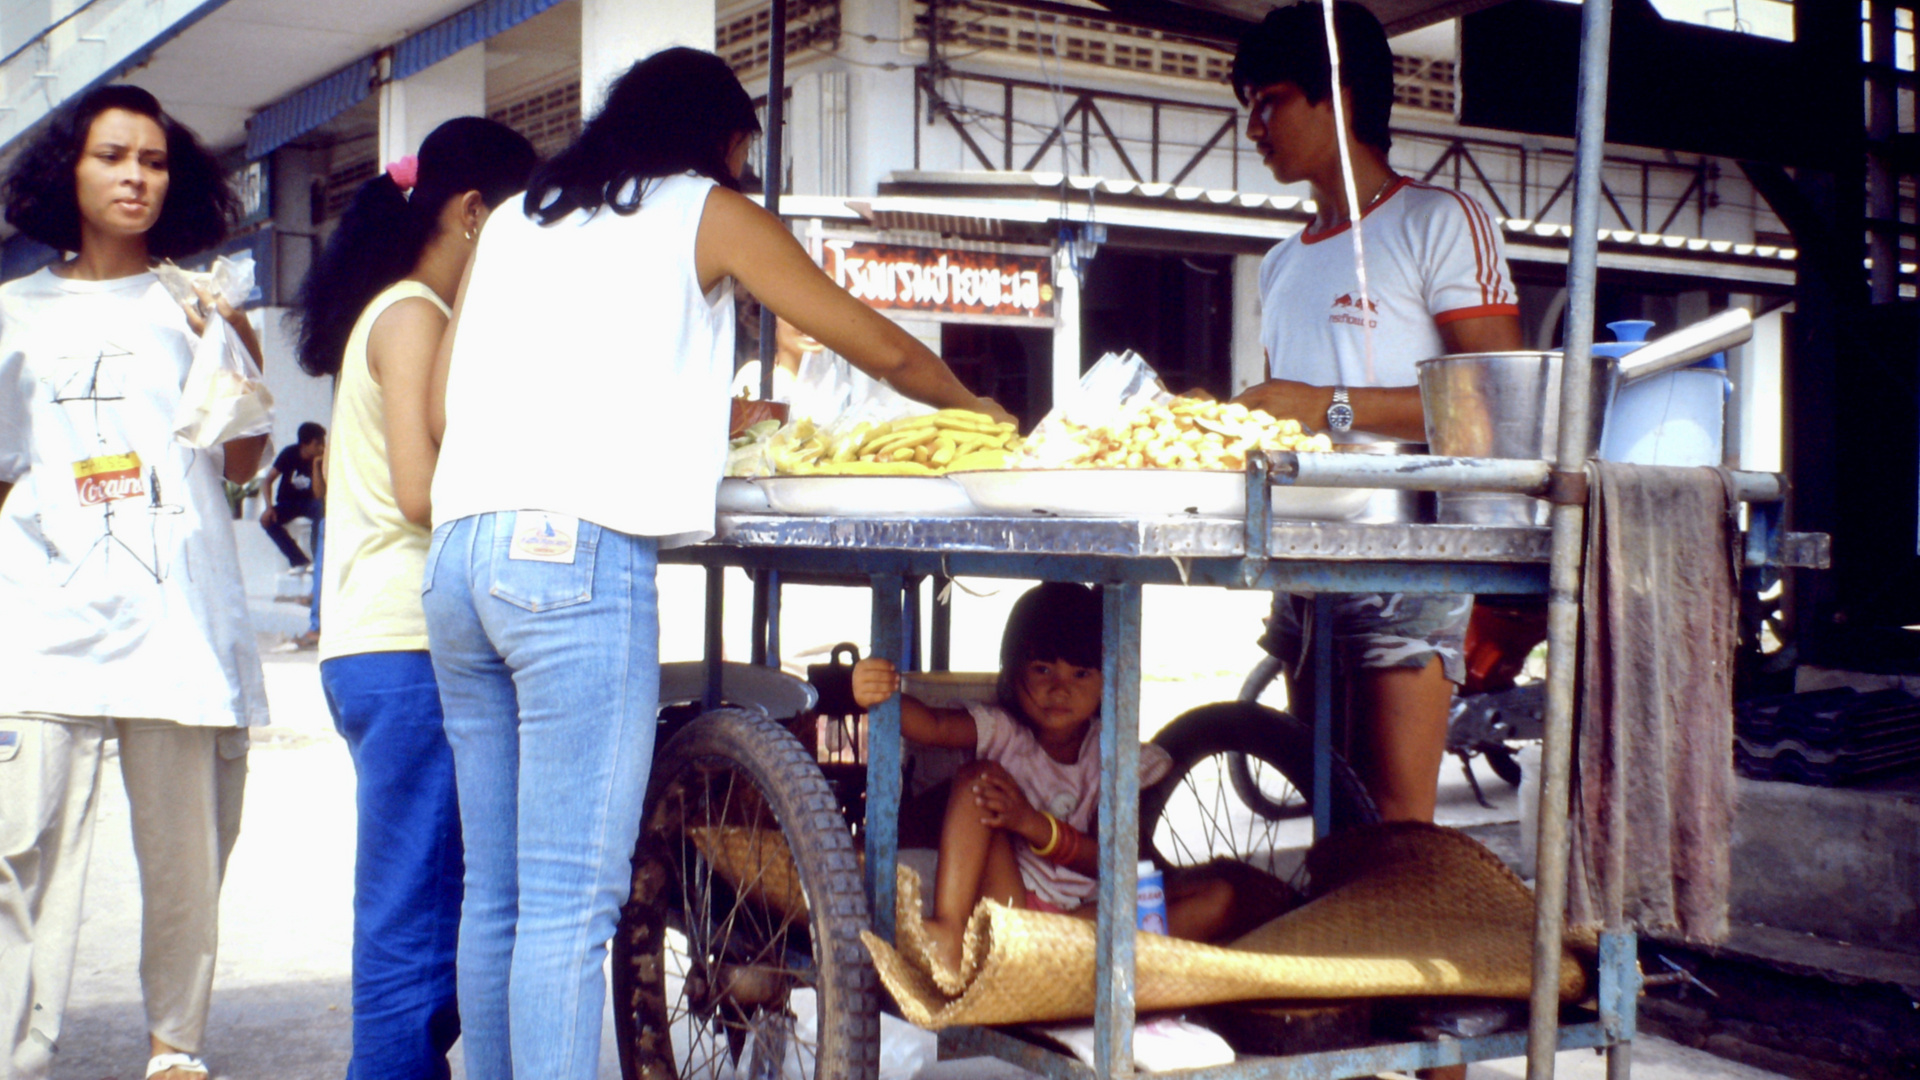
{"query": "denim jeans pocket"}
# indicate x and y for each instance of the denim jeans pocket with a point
(538, 585)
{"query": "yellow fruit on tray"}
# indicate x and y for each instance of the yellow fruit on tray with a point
(924, 445)
(1186, 433)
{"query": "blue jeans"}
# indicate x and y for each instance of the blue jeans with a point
(319, 557)
(550, 677)
(406, 873)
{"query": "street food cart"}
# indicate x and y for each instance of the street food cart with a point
(1256, 551)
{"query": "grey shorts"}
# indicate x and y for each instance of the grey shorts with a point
(1379, 630)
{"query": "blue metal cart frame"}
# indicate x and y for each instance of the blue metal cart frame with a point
(1257, 553)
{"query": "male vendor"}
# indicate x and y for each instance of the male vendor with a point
(1437, 283)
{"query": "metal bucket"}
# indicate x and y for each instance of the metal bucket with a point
(1503, 405)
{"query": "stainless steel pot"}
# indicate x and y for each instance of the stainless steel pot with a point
(1503, 405)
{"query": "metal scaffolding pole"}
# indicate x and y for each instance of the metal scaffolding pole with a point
(1569, 528)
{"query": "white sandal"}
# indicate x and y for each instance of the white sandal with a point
(160, 1063)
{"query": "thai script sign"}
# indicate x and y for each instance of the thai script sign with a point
(944, 283)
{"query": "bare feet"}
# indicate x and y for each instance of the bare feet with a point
(947, 939)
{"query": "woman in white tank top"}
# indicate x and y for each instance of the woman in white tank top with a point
(584, 387)
(373, 310)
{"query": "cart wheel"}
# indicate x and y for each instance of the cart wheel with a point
(1194, 814)
(739, 948)
(1269, 796)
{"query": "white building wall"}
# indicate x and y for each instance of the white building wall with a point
(615, 33)
(411, 108)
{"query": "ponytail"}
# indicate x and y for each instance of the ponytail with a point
(378, 240)
(384, 230)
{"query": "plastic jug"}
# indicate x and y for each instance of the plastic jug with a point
(1677, 418)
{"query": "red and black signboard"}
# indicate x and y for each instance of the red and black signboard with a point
(945, 284)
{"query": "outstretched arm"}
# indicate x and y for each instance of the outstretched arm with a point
(875, 681)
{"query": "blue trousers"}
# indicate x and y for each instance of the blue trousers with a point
(407, 865)
(550, 673)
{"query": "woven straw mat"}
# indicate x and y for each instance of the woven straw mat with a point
(757, 863)
(1401, 911)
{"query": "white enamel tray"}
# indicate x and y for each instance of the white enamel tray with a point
(1145, 493)
(866, 496)
(741, 496)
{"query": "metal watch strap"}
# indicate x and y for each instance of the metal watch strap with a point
(1340, 413)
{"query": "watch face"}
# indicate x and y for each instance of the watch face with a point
(1340, 416)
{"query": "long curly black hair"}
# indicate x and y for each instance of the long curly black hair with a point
(42, 201)
(676, 111)
(383, 231)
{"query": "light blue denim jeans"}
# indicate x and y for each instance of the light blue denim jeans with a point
(550, 679)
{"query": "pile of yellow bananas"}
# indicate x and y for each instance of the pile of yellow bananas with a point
(948, 440)
(1186, 433)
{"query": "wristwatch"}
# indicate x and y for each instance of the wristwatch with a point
(1340, 413)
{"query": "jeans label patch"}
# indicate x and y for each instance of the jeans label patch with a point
(543, 537)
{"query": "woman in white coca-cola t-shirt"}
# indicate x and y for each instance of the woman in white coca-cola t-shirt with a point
(125, 613)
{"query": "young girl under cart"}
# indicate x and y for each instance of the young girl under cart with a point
(583, 399)
(1019, 825)
(124, 614)
(373, 309)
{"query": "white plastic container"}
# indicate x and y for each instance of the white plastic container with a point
(1679, 418)
(1150, 902)
(1676, 418)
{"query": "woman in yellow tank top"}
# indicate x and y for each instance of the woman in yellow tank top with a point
(372, 312)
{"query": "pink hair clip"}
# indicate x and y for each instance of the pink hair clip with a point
(405, 172)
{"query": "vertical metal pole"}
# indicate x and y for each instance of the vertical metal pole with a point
(773, 618)
(910, 659)
(1320, 642)
(940, 649)
(715, 648)
(1569, 527)
(883, 761)
(773, 171)
(1883, 195)
(760, 616)
(1119, 831)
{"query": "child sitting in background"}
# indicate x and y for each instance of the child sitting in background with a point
(1019, 825)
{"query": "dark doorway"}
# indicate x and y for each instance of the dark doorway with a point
(1176, 310)
(1006, 363)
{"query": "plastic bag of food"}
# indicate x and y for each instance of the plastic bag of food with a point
(224, 396)
(1122, 417)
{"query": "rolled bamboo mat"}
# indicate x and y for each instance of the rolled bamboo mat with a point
(1400, 910)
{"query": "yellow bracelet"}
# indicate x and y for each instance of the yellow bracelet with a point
(1053, 835)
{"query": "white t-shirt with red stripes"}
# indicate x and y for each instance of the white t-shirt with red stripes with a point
(1434, 255)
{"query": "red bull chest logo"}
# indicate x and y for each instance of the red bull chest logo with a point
(1349, 309)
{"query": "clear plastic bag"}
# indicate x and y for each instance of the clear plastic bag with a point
(1120, 383)
(224, 396)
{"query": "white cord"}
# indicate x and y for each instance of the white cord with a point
(1354, 209)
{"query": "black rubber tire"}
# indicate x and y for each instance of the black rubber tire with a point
(1270, 737)
(1501, 761)
(1240, 769)
(734, 768)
